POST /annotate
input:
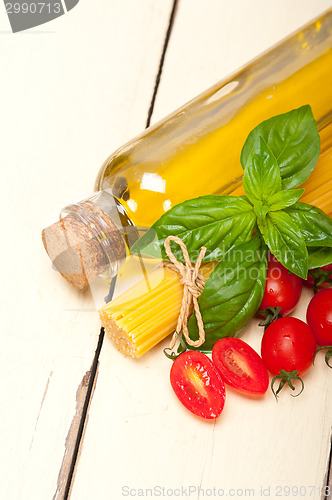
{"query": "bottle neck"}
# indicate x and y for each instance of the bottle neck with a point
(90, 239)
(111, 205)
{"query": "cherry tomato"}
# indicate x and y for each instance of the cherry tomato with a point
(288, 350)
(320, 277)
(240, 366)
(198, 384)
(282, 288)
(288, 344)
(319, 317)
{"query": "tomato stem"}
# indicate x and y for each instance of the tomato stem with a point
(271, 314)
(320, 276)
(286, 378)
(170, 354)
(181, 348)
(328, 355)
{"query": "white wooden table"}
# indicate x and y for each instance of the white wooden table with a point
(76, 416)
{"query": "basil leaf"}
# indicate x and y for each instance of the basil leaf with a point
(284, 199)
(293, 139)
(285, 241)
(216, 222)
(319, 256)
(261, 177)
(232, 293)
(314, 224)
(261, 209)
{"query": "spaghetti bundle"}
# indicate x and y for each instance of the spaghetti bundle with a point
(147, 313)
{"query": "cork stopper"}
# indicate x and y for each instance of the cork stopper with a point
(84, 244)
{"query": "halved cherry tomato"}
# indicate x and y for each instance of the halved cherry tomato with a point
(198, 384)
(319, 316)
(240, 366)
(282, 288)
(320, 277)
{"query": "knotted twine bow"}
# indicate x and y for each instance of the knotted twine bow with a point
(193, 286)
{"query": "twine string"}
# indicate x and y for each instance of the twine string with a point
(193, 286)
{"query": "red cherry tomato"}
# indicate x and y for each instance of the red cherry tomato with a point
(288, 344)
(282, 288)
(321, 277)
(198, 384)
(240, 366)
(319, 317)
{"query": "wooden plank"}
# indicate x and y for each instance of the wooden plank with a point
(139, 440)
(70, 93)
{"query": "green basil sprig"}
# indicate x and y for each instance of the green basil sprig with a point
(278, 155)
(271, 158)
(232, 293)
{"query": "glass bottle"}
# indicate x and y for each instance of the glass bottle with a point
(195, 151)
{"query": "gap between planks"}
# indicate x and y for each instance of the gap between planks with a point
(162, 60)
(76, 431)
(327, 491)
(86, 388)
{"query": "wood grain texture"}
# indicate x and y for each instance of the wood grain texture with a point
(71, 91)
(139, 439)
